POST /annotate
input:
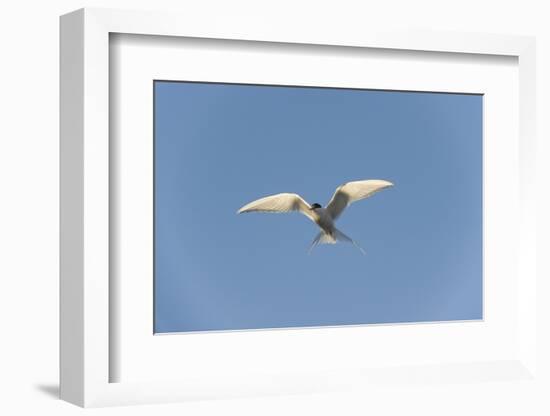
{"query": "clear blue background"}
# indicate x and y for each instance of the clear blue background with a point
(220, 146)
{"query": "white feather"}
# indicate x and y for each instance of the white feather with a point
(354, 191)
(324, 217)
(279, 203)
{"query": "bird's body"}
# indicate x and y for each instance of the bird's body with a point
(324, 217)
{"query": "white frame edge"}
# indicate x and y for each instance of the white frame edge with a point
(84, 175)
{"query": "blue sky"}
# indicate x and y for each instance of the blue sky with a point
(219, 146)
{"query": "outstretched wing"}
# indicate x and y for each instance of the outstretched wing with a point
(353, 191)
(278, 203)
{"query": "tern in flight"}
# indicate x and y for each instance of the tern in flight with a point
(324, 217)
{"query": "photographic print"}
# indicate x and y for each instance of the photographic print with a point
(378, 196)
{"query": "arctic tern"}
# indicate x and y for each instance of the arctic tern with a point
(324, 217)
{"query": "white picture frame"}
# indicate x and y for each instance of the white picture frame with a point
(86, 303)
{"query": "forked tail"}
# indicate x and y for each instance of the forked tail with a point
(332, 238)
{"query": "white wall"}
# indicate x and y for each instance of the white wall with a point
(29, 189)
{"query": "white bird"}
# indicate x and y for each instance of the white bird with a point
(324, 217)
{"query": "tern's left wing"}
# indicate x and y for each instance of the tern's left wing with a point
(354, 191)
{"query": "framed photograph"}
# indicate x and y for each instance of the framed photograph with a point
(402, 165)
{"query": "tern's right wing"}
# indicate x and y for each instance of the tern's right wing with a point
(279, 203)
